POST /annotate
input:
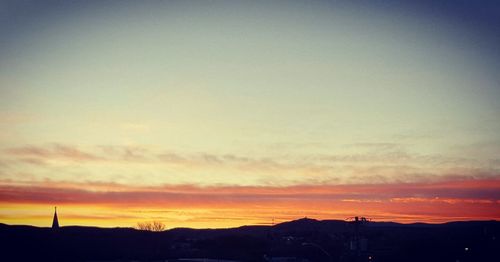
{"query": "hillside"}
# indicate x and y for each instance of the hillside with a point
(299, 240)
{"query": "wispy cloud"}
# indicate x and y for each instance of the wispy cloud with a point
(390, 165)
(377, 146)
(54, 151)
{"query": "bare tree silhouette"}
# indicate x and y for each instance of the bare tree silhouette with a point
(155, 226)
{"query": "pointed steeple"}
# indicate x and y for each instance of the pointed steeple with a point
(55, 221)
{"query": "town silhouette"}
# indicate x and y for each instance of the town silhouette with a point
(353, 239)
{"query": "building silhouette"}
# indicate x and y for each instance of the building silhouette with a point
(55, 221)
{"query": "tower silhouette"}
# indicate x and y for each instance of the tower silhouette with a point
(55, 221)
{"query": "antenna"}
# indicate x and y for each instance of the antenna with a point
(356, 241)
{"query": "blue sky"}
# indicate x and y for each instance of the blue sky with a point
(234, 93)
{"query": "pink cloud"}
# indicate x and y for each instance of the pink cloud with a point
(445, 200)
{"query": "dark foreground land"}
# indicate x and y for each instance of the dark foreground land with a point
(300, 240)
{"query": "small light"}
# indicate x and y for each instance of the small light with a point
(369, 257)
(466, 249)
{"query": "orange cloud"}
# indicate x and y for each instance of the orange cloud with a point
(238, 205)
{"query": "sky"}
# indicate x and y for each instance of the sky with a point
(227, 113)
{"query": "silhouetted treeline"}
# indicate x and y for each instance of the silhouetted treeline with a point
(300, 240)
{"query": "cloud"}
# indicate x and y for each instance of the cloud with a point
(405, 202)
(130, 163)
(202, 160)
(124, 153)
(377, 146)
(54, 151)
(113, 192)
(33, 161)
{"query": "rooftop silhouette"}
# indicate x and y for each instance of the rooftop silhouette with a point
(300, 240)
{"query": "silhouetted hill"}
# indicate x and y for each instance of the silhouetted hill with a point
(303, 239)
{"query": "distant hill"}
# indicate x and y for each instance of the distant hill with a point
(302, 240)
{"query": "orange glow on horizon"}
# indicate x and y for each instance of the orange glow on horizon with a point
(221, 207)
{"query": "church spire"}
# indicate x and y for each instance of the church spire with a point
(55, 221)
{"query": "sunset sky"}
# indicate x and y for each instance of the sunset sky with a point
(227, 113)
